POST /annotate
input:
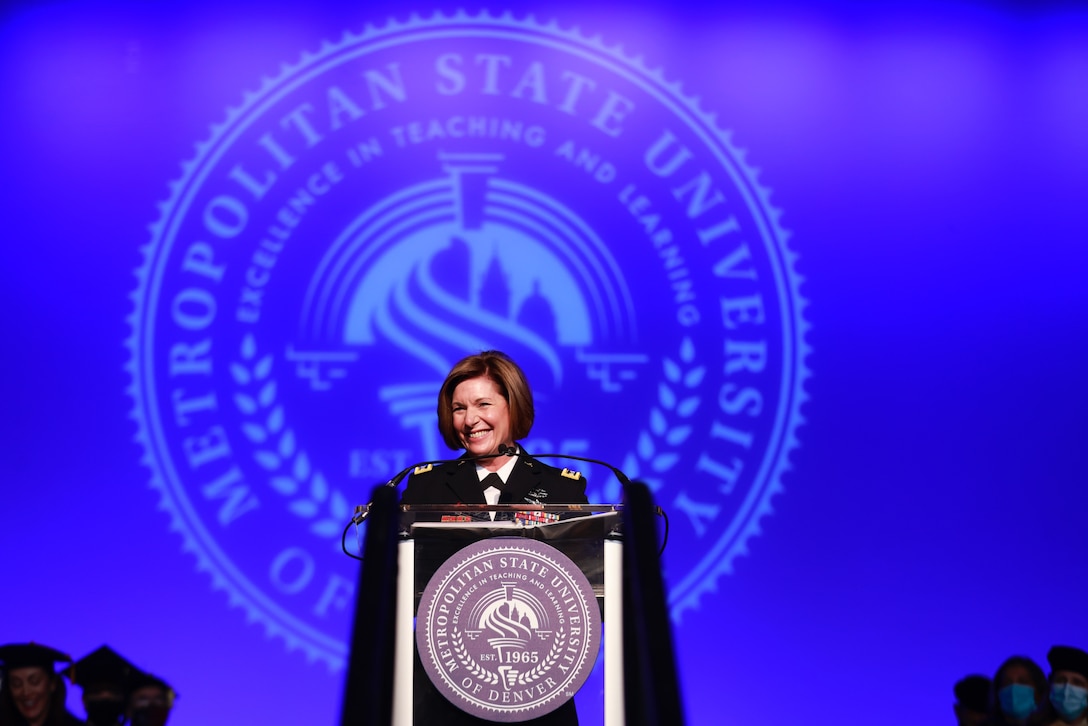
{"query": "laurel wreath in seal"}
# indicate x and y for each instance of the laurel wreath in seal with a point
(537, 672)
(655, 452)
(468, 662)
(523, 679)
(276, 447)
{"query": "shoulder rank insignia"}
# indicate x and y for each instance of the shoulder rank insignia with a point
(570, 474)
(423, 469)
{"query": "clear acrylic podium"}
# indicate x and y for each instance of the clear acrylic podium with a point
(589, 535)
(641, 687)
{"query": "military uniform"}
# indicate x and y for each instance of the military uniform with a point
(529, 481)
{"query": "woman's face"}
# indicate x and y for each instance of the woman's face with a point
(148, 706)
(31, 689)
(481, 417)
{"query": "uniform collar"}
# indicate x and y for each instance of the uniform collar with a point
(503, 471)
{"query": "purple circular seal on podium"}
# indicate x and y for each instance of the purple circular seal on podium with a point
(508, 629)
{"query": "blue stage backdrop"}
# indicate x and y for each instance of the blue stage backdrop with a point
(814, 272)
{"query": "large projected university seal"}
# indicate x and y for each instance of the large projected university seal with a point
(429, 189)
(508, 629)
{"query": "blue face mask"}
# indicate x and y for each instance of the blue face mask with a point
(1017, 700)
(1071, 701)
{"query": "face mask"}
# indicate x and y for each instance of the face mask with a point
(105, 712)
(1017, 700)
(1071, 701)
(150, 716)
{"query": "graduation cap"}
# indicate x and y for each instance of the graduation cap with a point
(31, 655)
(142, 679)
(973, 693)
(1067, 658)
(145, 710)
(102, 669)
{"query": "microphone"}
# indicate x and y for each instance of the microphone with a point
(504, 450)
(361, 512)
(624, 481)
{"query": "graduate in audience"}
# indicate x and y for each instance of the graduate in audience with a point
(1020, 694)
(32, 692)
(1069, 685)
(972, 700)
(150, 700)
(104, 677)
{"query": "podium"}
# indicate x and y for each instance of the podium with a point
(415, 566)
(592, 542)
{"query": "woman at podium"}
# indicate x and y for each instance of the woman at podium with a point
(484, 407)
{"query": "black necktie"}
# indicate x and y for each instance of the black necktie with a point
(494, 480)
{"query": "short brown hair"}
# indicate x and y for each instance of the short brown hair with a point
(507, 377)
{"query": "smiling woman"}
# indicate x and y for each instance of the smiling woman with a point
(485, 406)
(31, 690)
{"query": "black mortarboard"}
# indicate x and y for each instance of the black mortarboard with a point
(31, 655)
(973, 693)
(102, 667)
(1066, 658)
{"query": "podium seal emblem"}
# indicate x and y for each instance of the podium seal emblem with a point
(508, 629)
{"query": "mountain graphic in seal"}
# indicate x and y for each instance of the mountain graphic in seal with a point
(447, 266)
(511, 627)
(464, 295)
